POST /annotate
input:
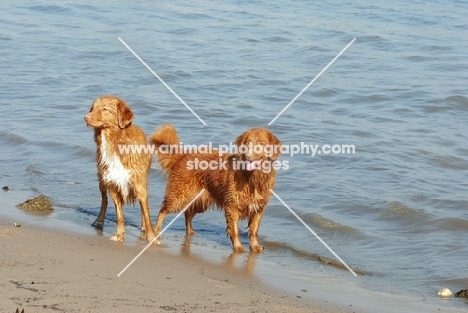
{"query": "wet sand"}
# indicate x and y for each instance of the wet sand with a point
(46, 270)
(59, 263)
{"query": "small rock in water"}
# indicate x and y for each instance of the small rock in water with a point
(462, 294)
(38, 204)
(445, 293)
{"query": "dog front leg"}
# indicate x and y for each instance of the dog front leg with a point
(232, 219)
(118, 202)
(99, 222)
(254, 225)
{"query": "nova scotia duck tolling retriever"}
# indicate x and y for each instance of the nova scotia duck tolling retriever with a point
(239, 185)
(123, 175)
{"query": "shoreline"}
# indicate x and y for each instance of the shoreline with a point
(48, 270)
(74, 268)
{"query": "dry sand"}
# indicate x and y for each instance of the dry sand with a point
(44, 270)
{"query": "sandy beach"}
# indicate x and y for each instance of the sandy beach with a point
(368, 98)
(44, 270)
(59, 263)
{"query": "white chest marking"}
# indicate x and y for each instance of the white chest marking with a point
(253, 207)
(115, 173)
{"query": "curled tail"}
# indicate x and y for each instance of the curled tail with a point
(167, 137)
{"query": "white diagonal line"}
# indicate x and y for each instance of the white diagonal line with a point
(313, 233)
(313, 80)
(159, 235)
(162, 81)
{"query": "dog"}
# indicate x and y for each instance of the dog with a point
(241, 191)
(123, 175)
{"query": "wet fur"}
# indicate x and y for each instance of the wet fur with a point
(124, 176)
(240, 193)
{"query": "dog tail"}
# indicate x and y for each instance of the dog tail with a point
(167, 143)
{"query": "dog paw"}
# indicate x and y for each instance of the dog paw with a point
(157, 233)
(117, 237)
(239, 249)
(98, 224)
(256, 248)
(151, 238)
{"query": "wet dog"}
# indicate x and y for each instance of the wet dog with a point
(123, 175)
(238, 186)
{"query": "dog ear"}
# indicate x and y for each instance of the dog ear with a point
(275, 142)
(240, 140)
(124, 114)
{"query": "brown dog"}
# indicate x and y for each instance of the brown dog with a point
(238, 185)
(124, 175)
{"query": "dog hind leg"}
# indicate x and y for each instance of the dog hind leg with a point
(146, 219)
(99, 222)
(189, 215)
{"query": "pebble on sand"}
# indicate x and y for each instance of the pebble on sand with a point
(445, 293)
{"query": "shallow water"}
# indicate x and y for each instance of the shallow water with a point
(396, 210)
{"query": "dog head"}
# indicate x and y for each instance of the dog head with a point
(256, 146)
(109, 112)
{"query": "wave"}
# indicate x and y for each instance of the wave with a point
(451, 103)
(400, 208)
(452, 224)
(306, 255)
(12, 139)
